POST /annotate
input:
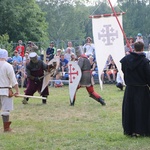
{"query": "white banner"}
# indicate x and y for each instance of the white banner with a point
(108, 40)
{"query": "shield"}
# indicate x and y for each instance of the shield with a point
(74, 78)
(48, 75)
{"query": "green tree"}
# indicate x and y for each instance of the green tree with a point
(65, 19)
(4, 44)
(22, 19)
(136, 18)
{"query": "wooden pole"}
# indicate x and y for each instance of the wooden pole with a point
(29, 96)
(120, 26)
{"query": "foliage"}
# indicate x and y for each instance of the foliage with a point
(64, 20)
(58, 126)
(4, 44)
(136, 22)
(22, 20)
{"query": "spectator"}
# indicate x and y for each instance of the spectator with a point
(18, 72)
(20, 48)
(31, 47)
(104, 76)
(9, 60)
(139, 38)
(148, 53)
(17, 58)
(68, 54)
(50, 51)
(58, 82)
(73, 57)
(63, 64)
(93, 65)
(88, 47)
(129, 48)
(57, 59)
(26, 60)
(111, 72)
(136, 100)
(71, 47)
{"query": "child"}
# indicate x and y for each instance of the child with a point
(58, 82)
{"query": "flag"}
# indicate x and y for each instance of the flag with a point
(108, 40)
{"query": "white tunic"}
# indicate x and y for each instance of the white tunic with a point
(7, 77)
(89, 49)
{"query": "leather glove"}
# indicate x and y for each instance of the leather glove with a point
(36, 79)
(54, 64)
(51, 67)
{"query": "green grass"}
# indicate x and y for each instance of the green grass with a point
(58, 126)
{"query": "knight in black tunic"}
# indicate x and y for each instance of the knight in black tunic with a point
(35, 70)
(136, 101)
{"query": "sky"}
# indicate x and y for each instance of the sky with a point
(113, 2)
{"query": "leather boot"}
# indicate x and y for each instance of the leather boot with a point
(25, 101)
(7, 126)
(120, 86)
(72, 103)
(100, 100)
(44, 101)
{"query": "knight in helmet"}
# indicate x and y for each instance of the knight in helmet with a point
(86, 77)
(35, 73)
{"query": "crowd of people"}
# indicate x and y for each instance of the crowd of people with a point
(109, 75)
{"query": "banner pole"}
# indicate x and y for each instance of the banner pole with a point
(113, 10)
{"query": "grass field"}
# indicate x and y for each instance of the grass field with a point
(58, 126)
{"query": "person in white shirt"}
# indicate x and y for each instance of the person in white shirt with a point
(7, 81)
(88, 47)
(139, 38)
(68, 54)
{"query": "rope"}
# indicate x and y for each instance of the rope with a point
(96, 8)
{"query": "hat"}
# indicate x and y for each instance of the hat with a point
(89, 38)
(29, 42)
(15, 51)
(27, 52)
(139, 34)
(3, 53)
(20, 41)
(32, 54)
(58, 50)
(51, 42)
(10, 60)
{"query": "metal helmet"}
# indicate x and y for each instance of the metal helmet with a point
(79, 51)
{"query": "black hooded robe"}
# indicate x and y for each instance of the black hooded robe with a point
(136, 101)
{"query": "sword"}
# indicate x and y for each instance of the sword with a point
(52, 73)
(44, 75)
(29, 96)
